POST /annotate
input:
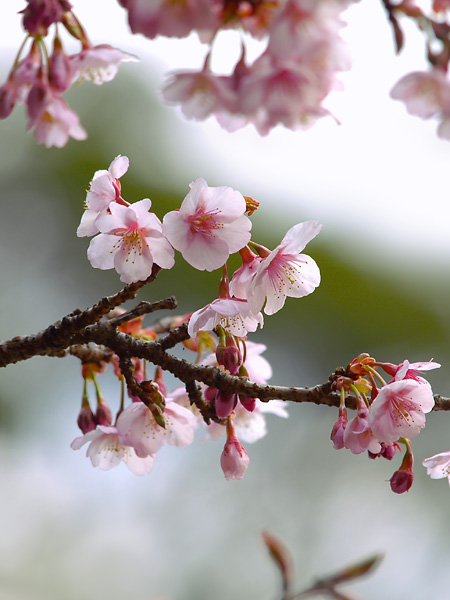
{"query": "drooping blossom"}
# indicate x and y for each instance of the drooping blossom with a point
(438, 466)
(358, 435)
(57, 124)
(98, 64)
(285, 272)
(209, 226)
(138, 428)
(107, 450)
(399, 409)
(131, 241)
(200, 93)
(104, 189)
(233, 314)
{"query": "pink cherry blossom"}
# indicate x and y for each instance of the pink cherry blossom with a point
(285, 272)
(234, 460)
(57, 124)
(130, 242)
(399, 410)
(438, 466)
(138, 428)
(107, 450)
(209, 226)
(358, 436)
(407, 370)
(104, 189)
(98, 64)
(233, 314)
(425, 93)
(200, 93)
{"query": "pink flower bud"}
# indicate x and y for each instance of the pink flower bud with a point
(225, 404)
(402, 480)
(38, 98)
(229, 355)
(103, 414)
(86, 420)
(248, 403)
(337, 433)
(8, 96)
(61, 71)
(234, 460)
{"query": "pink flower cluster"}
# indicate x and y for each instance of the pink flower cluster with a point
(285, 85)
(209, 226)
(38, 79)
(395, 412)
(137, 437)
(130, 238)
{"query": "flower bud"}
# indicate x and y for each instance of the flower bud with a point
(86, 420)
(61, 72)
(402, 480)
(234, 460)
(228, 354)
(224, 404)
(337, 433)
(8, 96)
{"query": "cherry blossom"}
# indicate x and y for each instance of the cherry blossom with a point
(233, 314)
(209, 226)
(107, 450)
(130, 242)
(284, 271)
(57, 124)
(399, 410)
(426, 94)
(358, 436)
(138, 428)
(200, 93)
(438, 466)
(98, 64)
(104, 189)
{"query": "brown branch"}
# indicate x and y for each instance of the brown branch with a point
(99, 340)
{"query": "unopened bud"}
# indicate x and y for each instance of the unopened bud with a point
(234, 460)
(61, 71)
(402, 480)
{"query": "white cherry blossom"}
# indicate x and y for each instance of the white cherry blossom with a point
(107, 450)
(130, 242)
(285, 272)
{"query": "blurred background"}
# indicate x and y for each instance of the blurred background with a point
(379, 185)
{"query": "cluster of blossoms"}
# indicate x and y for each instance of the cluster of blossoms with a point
(288, 82)
(209, 226)
(426, 94)
(388, 414)
(38, 78)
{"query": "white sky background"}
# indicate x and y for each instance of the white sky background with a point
(379, 179)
